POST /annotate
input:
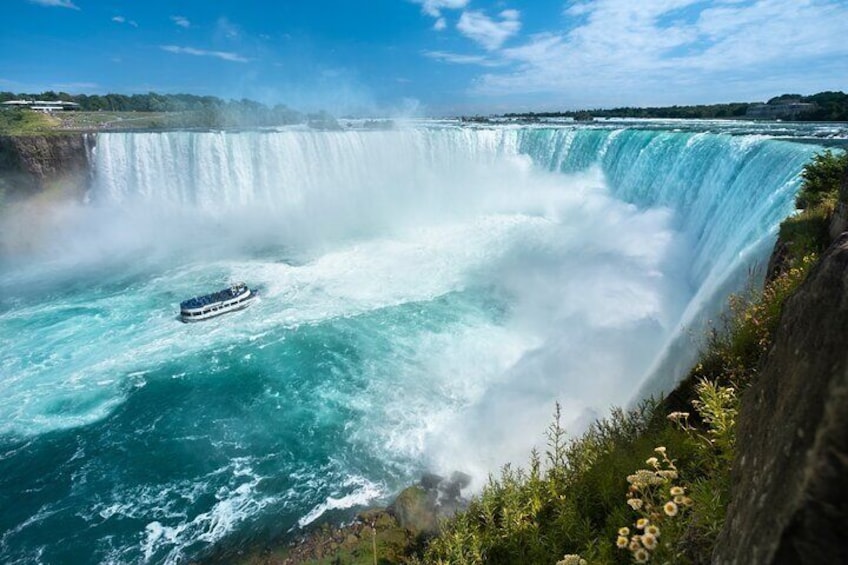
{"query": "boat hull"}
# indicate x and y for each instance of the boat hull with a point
(216, 309)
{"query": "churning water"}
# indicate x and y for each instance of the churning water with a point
(427, 294)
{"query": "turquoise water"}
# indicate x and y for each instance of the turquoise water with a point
(426, 294)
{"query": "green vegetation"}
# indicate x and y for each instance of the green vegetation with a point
(157, 111)
(214, 110)
(25, 122)
(829, 106)
(807, 231)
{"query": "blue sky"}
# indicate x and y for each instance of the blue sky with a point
(430, 57)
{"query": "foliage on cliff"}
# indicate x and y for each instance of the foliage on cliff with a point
(807, 231)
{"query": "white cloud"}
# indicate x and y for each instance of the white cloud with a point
(650, 51)
(226, 56)
(181, 21)
(489, 33)
(225, 29)
(460, 59)
(123, 20)
(56, 3)
(440, 24)
(434, 7)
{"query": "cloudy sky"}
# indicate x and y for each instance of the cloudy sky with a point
(432, 57)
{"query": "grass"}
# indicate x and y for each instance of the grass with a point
(28, 122)
(25, 122)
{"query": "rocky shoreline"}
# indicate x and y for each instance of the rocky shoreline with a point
(375, 535)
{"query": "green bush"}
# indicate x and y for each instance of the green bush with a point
(822, 176)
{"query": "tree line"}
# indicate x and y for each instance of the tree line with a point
(203, 111)
(829, 106)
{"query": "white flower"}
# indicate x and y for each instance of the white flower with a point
(670, 508)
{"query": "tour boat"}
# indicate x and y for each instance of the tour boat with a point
(236, 297)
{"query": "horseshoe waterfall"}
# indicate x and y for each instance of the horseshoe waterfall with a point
(426, 294)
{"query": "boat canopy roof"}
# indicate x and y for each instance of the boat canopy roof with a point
(235, 290)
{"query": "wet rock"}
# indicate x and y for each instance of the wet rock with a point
(415, 509)
(790, 479)
(420, 507)
(31, 165)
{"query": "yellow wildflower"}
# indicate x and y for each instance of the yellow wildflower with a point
(624, 531)
(621, 542)
(649, 541)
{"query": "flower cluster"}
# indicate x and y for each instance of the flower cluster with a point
(571, 559)
(652, 494)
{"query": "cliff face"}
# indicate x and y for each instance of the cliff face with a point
(839, 223)
(32, 165)
(790, 479)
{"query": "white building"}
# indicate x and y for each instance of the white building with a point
(42, 105)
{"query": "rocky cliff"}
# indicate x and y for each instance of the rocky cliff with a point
(33, 165)
(790, 478)
(839, 222)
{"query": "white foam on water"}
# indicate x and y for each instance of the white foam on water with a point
(364, 492)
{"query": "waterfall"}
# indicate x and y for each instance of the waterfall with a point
(727, 192)
(425, 295)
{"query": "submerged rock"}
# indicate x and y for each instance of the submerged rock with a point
(790, 478)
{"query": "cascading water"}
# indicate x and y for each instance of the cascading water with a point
(426, 294)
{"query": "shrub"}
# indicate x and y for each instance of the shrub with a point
(822, 176)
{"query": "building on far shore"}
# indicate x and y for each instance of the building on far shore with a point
(789, 110)
(46, 106)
